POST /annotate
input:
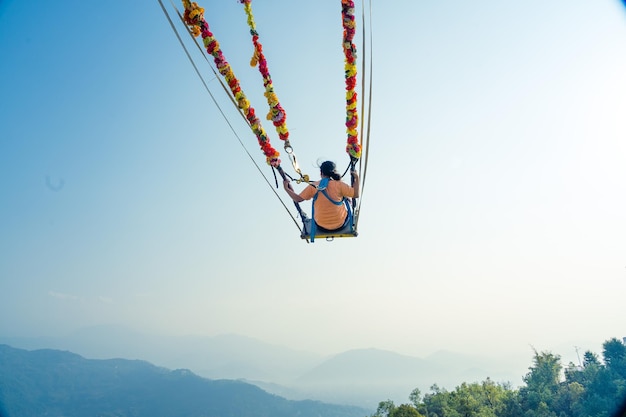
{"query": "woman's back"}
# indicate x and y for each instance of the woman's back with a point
(328, 214)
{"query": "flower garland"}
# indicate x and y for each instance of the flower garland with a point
(194, 18)
(352, 118)
(276, 113)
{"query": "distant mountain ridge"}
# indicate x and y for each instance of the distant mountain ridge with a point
(57, 383)
(368, 376)
(369, 363)
(227, 356)
(359, 377)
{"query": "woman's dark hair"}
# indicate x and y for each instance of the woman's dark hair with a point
(328, 168)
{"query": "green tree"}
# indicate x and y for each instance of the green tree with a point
(590, 358)
(485, 399)
(415, 397)
(512, 404)
(405, 410)
(466, 400)
(385, 408)
(614, 354)
(437, 402)
(542, 386)
(568, 395)
(600, 396)
(595, 389)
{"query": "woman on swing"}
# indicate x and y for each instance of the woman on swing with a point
(330, 215)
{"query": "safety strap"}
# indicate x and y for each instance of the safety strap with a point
(322, 188)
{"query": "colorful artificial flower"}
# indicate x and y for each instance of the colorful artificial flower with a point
(276, 112)
(194, 18)
(353, 146)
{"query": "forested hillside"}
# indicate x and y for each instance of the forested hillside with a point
(594, 388)
(56, 383)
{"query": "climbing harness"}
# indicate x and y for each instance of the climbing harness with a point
(347, 229)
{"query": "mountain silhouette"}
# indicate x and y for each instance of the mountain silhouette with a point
(52, 382)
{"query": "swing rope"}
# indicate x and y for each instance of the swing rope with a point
(205, 84)
(194, 18)
(276, 113)
(367, 92)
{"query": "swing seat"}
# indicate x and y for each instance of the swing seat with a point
(347, 230)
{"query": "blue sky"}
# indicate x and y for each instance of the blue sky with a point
(493, 212)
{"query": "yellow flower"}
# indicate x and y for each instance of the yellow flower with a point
(255, 58)
(272, 99)
(196, 13)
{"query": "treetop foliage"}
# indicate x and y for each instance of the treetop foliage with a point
(597, 388)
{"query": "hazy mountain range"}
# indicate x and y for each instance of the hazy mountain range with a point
(57, 383)
(361, 377)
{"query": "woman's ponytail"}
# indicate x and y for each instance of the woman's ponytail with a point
(328, 168)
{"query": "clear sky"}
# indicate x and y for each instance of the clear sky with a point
(494, 209)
